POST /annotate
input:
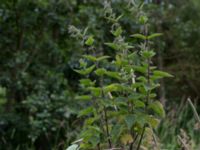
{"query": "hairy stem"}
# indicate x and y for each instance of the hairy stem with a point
(107, 128)
(148, 62)
(135, 139)
(148, 82)
(142, 135)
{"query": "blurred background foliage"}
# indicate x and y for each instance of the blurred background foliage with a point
(38, 84)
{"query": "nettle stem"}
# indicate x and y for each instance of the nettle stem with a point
(135, 139)
(148, 62)
(97, 110)
(148, 82)
(107, 128)
(105, 116)
(142, 135)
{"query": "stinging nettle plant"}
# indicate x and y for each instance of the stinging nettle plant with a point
(119, 93)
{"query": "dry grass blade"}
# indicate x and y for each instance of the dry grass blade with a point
(194, 110)
(183, 143)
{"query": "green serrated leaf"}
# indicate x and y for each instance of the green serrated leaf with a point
(148, 54)
(90, 121)
(135, 96)
(86, 82)
(161, 74)
(90, 57)
(91, 135)
(95, 91)
(95, 129)
(86, 111)
(138, 104)
(136, 85)
(157, 108)
(130, 120)
(100, 71)
(154, 122)
(139, 36)
(141, 69)
(116, 132)
(102, 58)
(143, 79)
(94, 59)
(126, 139)
(85, 71)
(153, 95)
(141, 118)
(112, 88)
(154, 35)
(83, 97)
(112, 45)
(113, 74)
